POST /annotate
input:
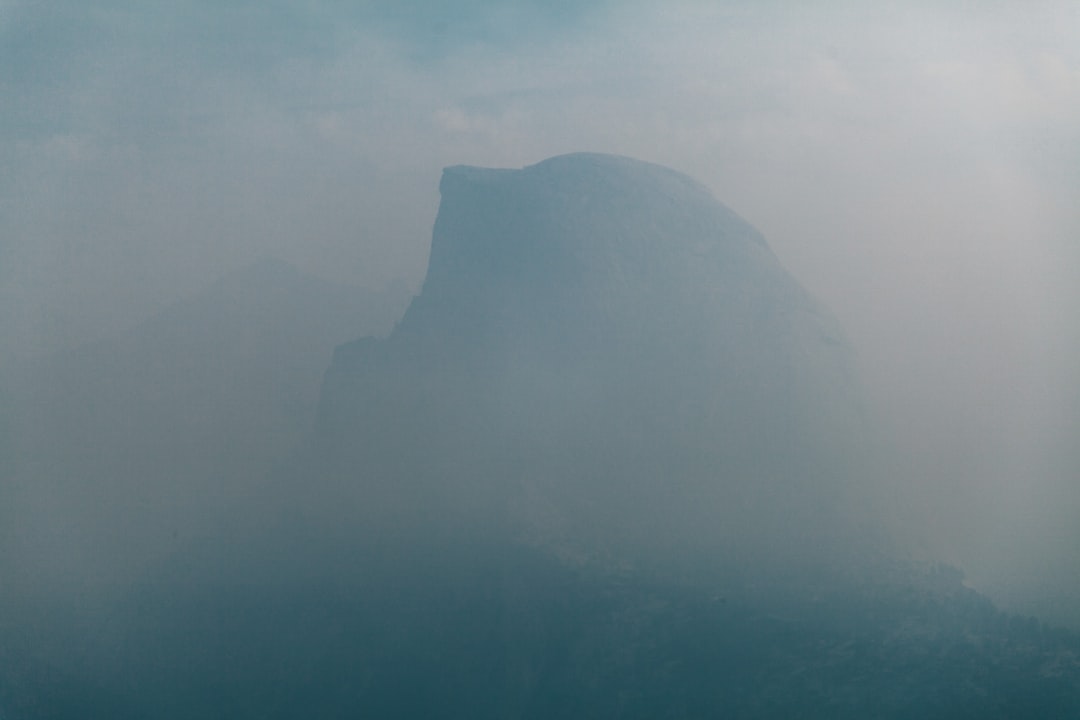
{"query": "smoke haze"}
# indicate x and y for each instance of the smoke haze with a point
(916, 166)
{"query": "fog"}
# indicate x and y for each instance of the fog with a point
(913, 165)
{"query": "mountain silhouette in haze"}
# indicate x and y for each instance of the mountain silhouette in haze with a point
(125, 442)
(606, 466)
(601, 335)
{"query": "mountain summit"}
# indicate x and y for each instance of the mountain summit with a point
(604, 334)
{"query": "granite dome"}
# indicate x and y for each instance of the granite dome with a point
(594, 326)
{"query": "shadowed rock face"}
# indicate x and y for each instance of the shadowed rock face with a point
(601, 335)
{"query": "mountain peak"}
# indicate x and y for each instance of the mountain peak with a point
(588, 226)
(604, 328)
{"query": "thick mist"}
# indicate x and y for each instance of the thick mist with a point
(913, 167)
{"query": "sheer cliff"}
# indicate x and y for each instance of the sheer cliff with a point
(600, 337)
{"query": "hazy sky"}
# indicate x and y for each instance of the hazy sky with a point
(916, 165)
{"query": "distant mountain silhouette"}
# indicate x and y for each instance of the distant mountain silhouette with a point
(601, 335)
(155, 433)
(602, 468)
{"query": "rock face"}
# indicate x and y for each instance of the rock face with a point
(601, 336)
